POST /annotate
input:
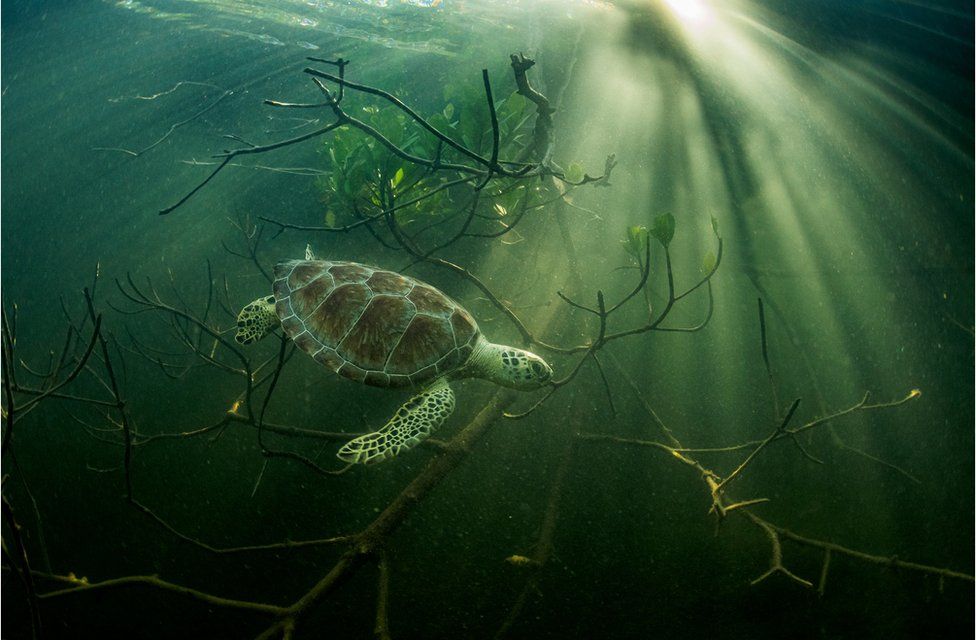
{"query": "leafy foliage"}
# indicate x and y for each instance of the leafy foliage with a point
(636, 242)
(708, 262)
(361, 169)
(574, 172)
(663, 229)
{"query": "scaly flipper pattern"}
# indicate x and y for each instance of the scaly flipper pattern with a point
(411, 424)
(256, 320)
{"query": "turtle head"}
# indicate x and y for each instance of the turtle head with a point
(511, 367)
(256, 320)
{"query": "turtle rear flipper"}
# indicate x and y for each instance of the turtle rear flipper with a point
(412, 423)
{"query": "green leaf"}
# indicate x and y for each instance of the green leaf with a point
(471, 130)
(439, 122)
(397, 178)
(330, 219)
(449, 111)
(500, 210)
(574, 173)
(636, 242)
(708, 262)
(449, 92)
(510, 109)
(663, 228)
(388, 121)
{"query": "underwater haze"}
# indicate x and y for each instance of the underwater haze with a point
(739, 232)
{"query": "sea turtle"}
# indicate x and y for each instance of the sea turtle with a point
(385, 329)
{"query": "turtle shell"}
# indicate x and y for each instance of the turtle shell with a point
(369, 325)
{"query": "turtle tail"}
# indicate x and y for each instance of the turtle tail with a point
(256, 320)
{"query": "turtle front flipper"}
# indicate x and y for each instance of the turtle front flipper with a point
(411, 424)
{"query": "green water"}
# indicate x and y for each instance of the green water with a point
(822, 150)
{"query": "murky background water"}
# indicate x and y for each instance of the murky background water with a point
(832, 143)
